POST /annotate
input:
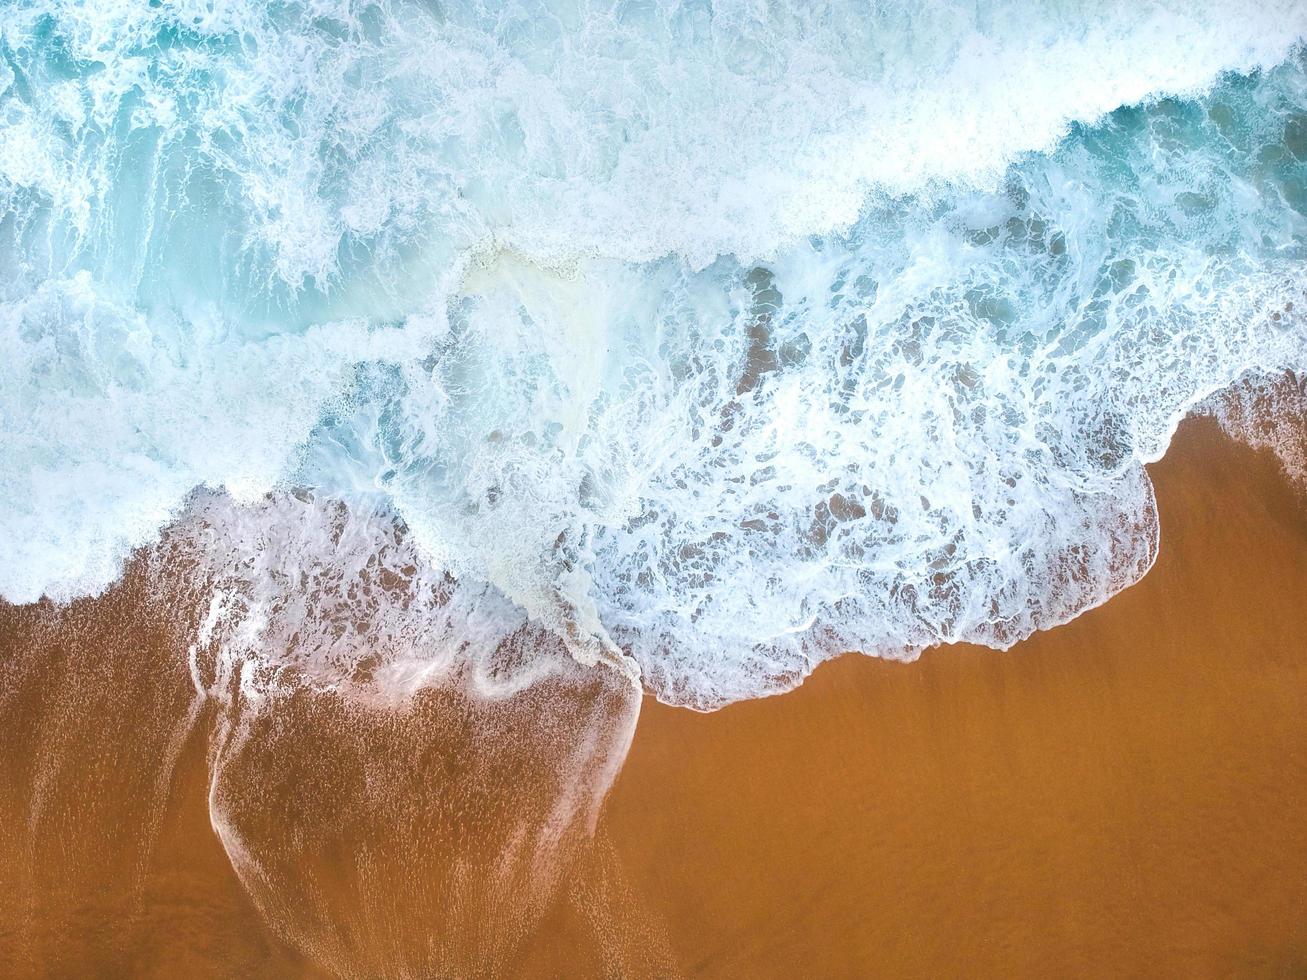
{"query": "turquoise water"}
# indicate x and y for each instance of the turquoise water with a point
(713, 338)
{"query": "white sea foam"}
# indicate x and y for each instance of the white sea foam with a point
(715, 337)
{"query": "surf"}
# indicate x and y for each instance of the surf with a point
(710, 341)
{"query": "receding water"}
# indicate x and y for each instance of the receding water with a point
(711, 339)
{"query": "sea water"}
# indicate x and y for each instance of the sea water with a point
(708, 340)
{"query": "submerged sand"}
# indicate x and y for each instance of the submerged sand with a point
(1122, 795)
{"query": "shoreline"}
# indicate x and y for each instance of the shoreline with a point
(1119, 794)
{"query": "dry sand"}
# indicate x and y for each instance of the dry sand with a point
(1123, 795)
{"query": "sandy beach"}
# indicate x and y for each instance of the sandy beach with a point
(1123, 795)
(536, 489)
(1119, 796)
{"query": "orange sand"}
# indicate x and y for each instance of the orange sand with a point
(1123, 795)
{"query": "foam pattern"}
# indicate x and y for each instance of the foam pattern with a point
(708, 339)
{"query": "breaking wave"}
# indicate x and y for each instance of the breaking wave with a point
(705, 340)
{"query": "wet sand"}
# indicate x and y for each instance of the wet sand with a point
(1122, 795)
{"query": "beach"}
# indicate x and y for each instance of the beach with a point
(1122, 795)
(546, 489)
